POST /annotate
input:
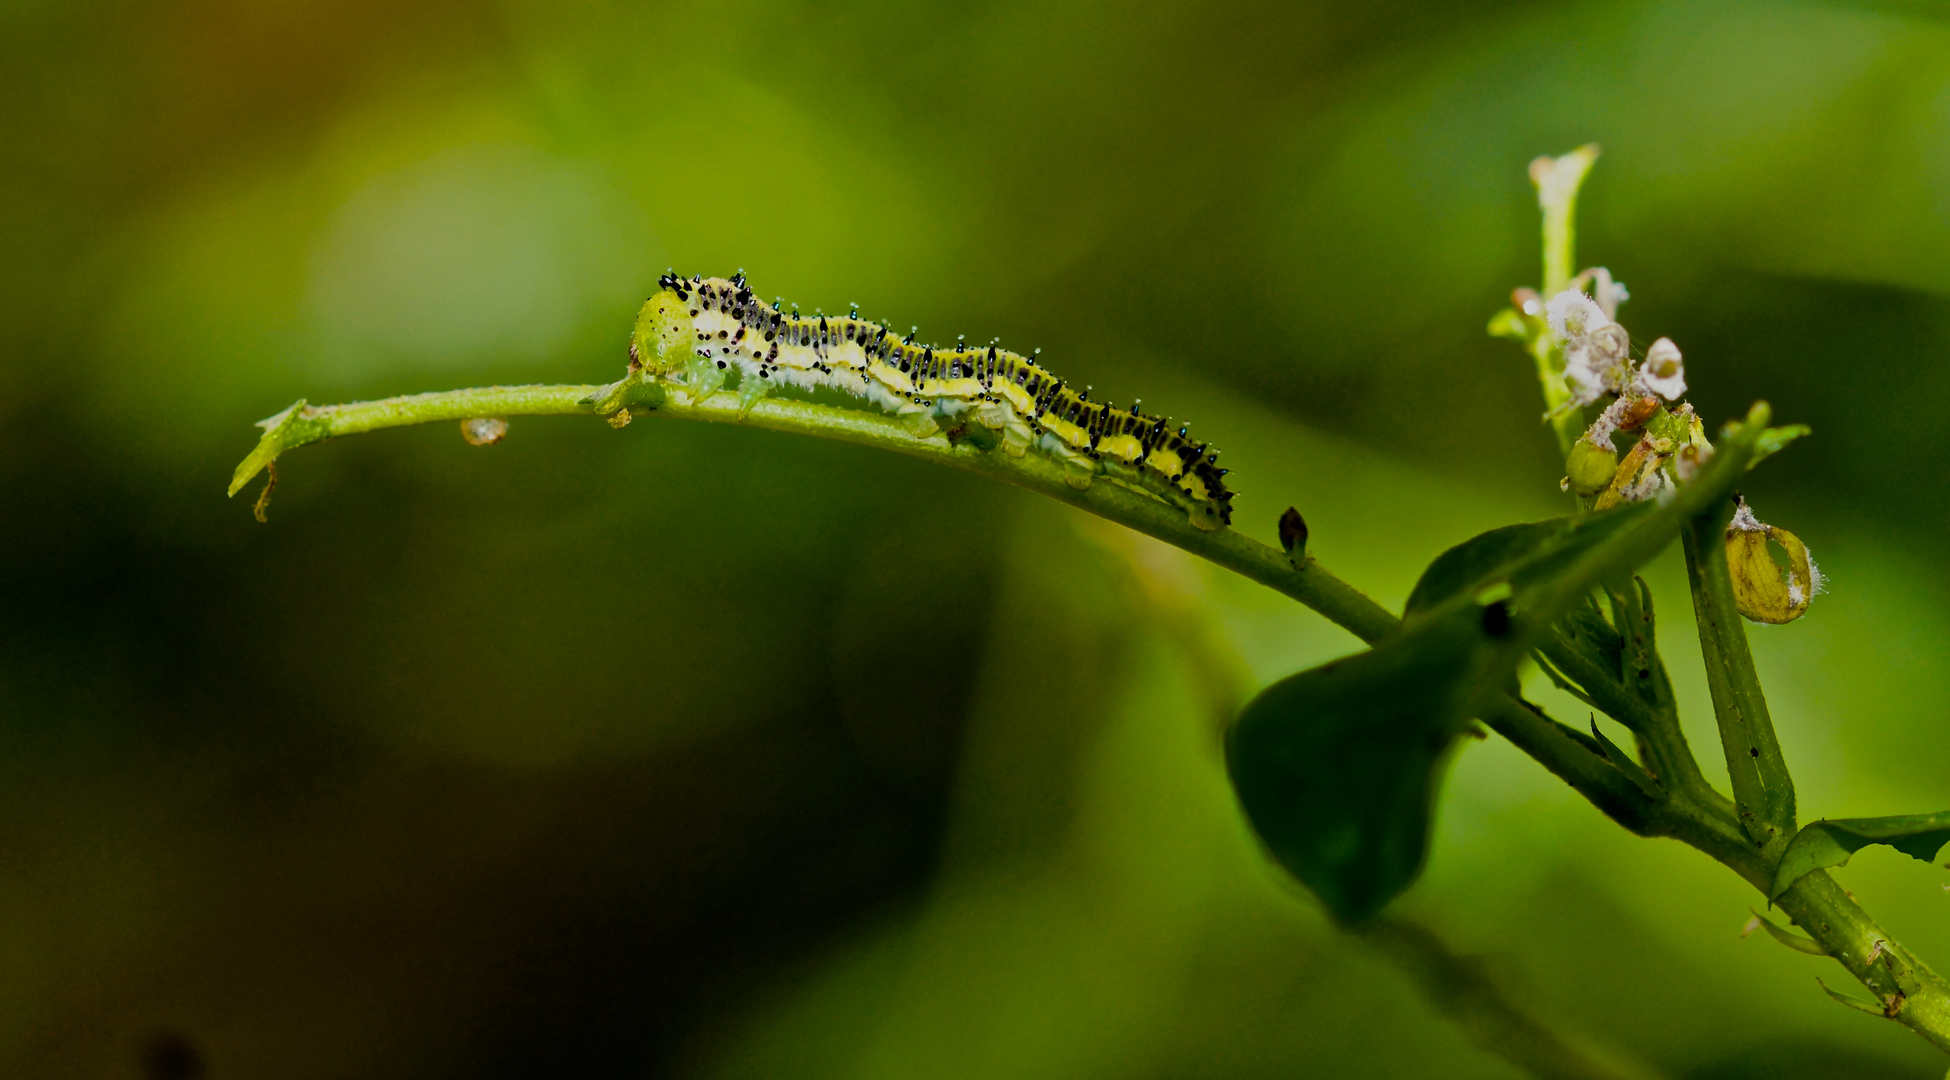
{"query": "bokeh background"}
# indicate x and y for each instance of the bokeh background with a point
(690, 751)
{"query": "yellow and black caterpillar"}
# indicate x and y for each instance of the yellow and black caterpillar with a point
(696, 331)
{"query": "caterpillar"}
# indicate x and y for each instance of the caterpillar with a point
(697, 331)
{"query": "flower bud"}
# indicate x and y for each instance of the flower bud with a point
(1590, 466)
(1664, 370)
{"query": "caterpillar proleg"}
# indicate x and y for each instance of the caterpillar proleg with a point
(695, 332)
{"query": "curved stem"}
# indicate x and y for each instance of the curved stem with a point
(1906, 990)
(1304, 581)
(1461, 988)
(1822, 908)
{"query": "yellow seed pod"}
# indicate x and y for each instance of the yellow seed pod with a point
(1764, 590)
(662, 340)
(1590, 467)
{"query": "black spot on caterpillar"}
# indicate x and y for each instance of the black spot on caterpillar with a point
(1005, 392)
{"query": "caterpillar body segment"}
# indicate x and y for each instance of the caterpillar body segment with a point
(696, 331)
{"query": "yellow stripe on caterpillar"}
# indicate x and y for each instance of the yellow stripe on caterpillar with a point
(696, 332)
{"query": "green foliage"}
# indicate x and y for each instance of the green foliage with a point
(235, 754)
(1337, 767)
(1822, 844)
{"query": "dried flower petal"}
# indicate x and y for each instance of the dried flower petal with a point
(1764, 590)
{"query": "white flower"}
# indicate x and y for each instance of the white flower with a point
(1573, 315)
(1664, 373)
(1598, 362)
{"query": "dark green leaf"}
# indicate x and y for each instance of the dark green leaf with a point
(1822, 844)
(1586, 631)
(1516, 555)
(1336, 767)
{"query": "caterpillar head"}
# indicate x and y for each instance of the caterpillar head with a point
(662, 342)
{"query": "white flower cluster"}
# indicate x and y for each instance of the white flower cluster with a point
(1598, 354)
(1598, 361)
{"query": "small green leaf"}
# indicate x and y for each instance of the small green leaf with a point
(1822, 844)
(1510, 323)
(1774, 440)
(1853, 1003)
(1792, 940)
(1623, 763)
(1336, 767)
(292, 427)
(1587, 632)
(1518, 555)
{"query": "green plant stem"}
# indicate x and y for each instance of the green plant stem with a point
(1558, 180)
(1907, 991)
(1668, 756)
(1305, 581)
(1569, 754)
(1459, 987)
(1763, 793)
(1829, 916)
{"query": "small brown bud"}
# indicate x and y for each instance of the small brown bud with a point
(1293, 532)
(1637, 412)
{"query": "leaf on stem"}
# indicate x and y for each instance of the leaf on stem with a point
(293, 427)
(1517, 555)
(1792, 940)
(1623, 762)
(1774, 440)
(1823, 844)
(1336, 767)
(1853, 1003)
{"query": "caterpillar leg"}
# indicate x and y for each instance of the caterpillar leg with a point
(1078, 470)
(1017, 436)
(751, 390)
(994, 414)
(918, 420)
(702, 378)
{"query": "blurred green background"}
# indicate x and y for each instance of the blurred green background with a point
(700, 752)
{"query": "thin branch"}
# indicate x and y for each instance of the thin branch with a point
(1461, 988)
(1305, 581)
(1910, 992)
